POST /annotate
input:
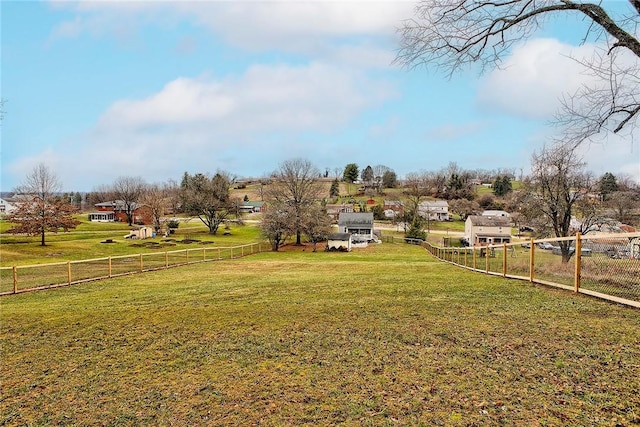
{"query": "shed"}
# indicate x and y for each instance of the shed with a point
(141, 233)
(339, 242)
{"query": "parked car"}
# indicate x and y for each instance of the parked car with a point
(585, 251)
(546, 245)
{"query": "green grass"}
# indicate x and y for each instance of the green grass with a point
(382, 336)
(87, 242)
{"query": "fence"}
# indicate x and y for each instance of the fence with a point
(42, 276)
(604, 266)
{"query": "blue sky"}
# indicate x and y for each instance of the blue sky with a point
(102, 89)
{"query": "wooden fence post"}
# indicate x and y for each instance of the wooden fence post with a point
(69, 272)
(141, 264)
(15, 279)
(204, 254)
(578, 256)
(532, 250)
(504, 260)
(474, 257)
(187, 254)
(486, 260)
(109, 267)
(166, 259)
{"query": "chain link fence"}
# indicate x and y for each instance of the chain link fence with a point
(605, 266)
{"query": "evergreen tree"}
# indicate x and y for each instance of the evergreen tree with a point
(389, 179)
(415, 230)
(351, 173)
(607, 185)
(334, 191)
(367, 175)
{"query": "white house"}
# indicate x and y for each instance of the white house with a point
(436, 210)
(358, 224)
(487, 230)
(6, 207)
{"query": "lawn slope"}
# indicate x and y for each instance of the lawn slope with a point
(383, 336)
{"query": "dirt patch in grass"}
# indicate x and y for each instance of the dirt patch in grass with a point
(152, 245)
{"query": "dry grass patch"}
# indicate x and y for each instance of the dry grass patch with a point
(384, 336)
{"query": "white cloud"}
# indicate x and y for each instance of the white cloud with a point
(315, 97)
(294, 26)
(615, 155)
(534, 78)
(203, 124)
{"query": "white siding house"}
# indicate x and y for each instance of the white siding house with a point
(436, 210)
(487, 230)
(358, 224)
(6, 207)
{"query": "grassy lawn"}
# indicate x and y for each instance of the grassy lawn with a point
(382, 336)
(88, 241)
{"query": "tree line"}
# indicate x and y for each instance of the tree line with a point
(558, 190)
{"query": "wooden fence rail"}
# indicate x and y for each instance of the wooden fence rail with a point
(16, 279)
(605, 266)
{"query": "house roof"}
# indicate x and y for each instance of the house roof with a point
(356, 219)
(435, 204)
(489, 221)
(495, 213)
(118, 205)
(339, 236)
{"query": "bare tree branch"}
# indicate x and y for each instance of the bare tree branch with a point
(451, 34)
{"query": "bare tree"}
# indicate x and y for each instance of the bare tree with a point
(452, 34)
(277, 223)
(40, 208)
(208, 198)
(417, 186)
(127, 191)
(623, 204)
(158, 198)
(296, 184)
(317, 224)
(557, 186)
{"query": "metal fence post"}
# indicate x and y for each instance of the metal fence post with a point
(578, 262)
